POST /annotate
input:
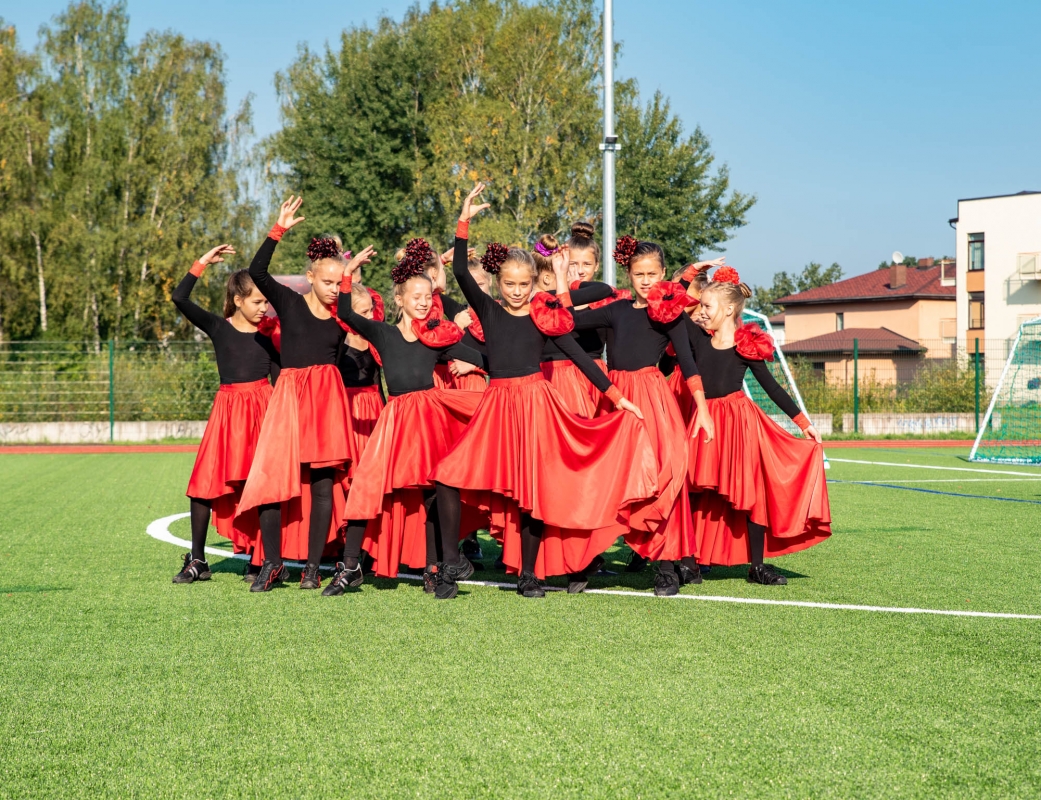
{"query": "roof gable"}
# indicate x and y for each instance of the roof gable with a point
(872, 286)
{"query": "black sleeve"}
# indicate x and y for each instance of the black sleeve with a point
(681, 344)
(367, 328)
(568, 345)
(773, 389)
(478, 300)
(590, 291)
(667, 364)
(451, 306)
(275, 356)
(278, 295)
(199, 317)
(462, 352)
(587, 318)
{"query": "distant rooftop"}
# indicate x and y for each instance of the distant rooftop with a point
(872, 286)
(869, 340)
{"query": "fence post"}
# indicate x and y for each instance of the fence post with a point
(977, 397)
(111, 390)
(856, 387)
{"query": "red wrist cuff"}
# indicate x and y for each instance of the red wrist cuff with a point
(614, 394)
(462, 230)
(276, 232)
(575, 285)
(565, 299)
(345, 282)
(197, 269)
(801, 421)
(695, 385)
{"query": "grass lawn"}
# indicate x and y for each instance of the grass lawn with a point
(117, 682)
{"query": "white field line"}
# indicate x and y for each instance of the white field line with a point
(926, 466)
(956, 480)
(160, 530)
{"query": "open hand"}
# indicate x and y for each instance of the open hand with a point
(812, 433)
(625, 405)
(214, 256)
(458, 368)
(703, 422)
(289, 208)
(364, 257)
(469, 209)
(559, 260)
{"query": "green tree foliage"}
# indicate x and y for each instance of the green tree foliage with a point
(124, 174)
(812, 276)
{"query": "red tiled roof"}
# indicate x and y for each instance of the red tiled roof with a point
(921, 283)
(869, 340)
(776, 319)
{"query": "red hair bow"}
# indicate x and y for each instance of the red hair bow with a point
(754, 343)
(475, 328)
(619, 294)
(550, 315)
(436, 332)
(726, 274)
(666, 301)
(272, 329)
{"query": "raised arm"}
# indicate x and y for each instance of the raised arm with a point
(590, 292)
(200, 317)
(368, 328)
(278, 295)
(477, 299)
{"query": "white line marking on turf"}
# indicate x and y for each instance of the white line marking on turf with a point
(926, 466)
(160, 529)
(959, 480)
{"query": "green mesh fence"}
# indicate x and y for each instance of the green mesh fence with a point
(1011, 433)
(780, 369)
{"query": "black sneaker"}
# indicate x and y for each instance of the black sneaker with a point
(310, 578)
(344, 579)
(271, 575)
(445, 587)
(636, 563)
(666, 584)
(578, 581)
(530, 586)
(766, 575)
(461, 571)
(471, 548)
(249, 574)
(429, 580)
(194, 569)
(687, 575)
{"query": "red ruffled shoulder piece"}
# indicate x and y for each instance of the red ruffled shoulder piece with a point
(619, 294)
(437, 308)
(753, 343)
(271, 327)
(379, 313)
(437, 332)
(474, 327)
(666, 301)
(550, 315)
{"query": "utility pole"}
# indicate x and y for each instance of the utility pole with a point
(609, 146)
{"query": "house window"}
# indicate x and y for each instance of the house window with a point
(976, 317)
(948, 329)
(975, 251)
(840, 321)
(818, 366)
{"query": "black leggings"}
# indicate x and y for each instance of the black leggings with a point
(321, 516)
(200, 524)
(356, 534)
(449, 508)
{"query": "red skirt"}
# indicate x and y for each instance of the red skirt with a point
(524, 452)
(471, 382)
(225, 456)
(308, 427)
(443, 377)
(578, 394)
(754, 469)
(678, 386)
(413, 434)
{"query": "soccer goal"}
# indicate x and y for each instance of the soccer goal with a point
(1011, 430)
(779, 368)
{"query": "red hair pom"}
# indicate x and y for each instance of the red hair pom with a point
(437, 332)
(666, 301)
(494, 257)
(474, 328)
(618, 294)
(754, 343)
(379, 313)
(272, 329)
(417, 256)
(550, 315)
(726, 274)
(322, 248)
(624, 250)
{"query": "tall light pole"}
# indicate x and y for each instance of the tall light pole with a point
(609, 146)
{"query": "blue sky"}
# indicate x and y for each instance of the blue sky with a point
(858, 125)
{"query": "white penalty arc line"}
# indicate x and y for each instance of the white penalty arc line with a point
(926, 466)
(160, 529)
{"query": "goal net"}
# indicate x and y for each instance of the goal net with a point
(1011, 431)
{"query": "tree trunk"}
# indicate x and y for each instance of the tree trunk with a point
(42, 284)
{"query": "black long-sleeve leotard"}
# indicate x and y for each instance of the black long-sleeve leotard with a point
(407, 366)
(515, 344)
(241, 357)
(452, 307)
(307, 341)
(723, 371)
(358, 368)
(638, 341)
(591, 340)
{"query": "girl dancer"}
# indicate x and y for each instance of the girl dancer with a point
(759, 491)
(524, 457)
(641, 329)
(473, 337)
(306, 439)
(245, 359)
(419, 425)
(695, 278)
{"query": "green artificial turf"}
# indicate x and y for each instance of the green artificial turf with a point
(117, 682)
